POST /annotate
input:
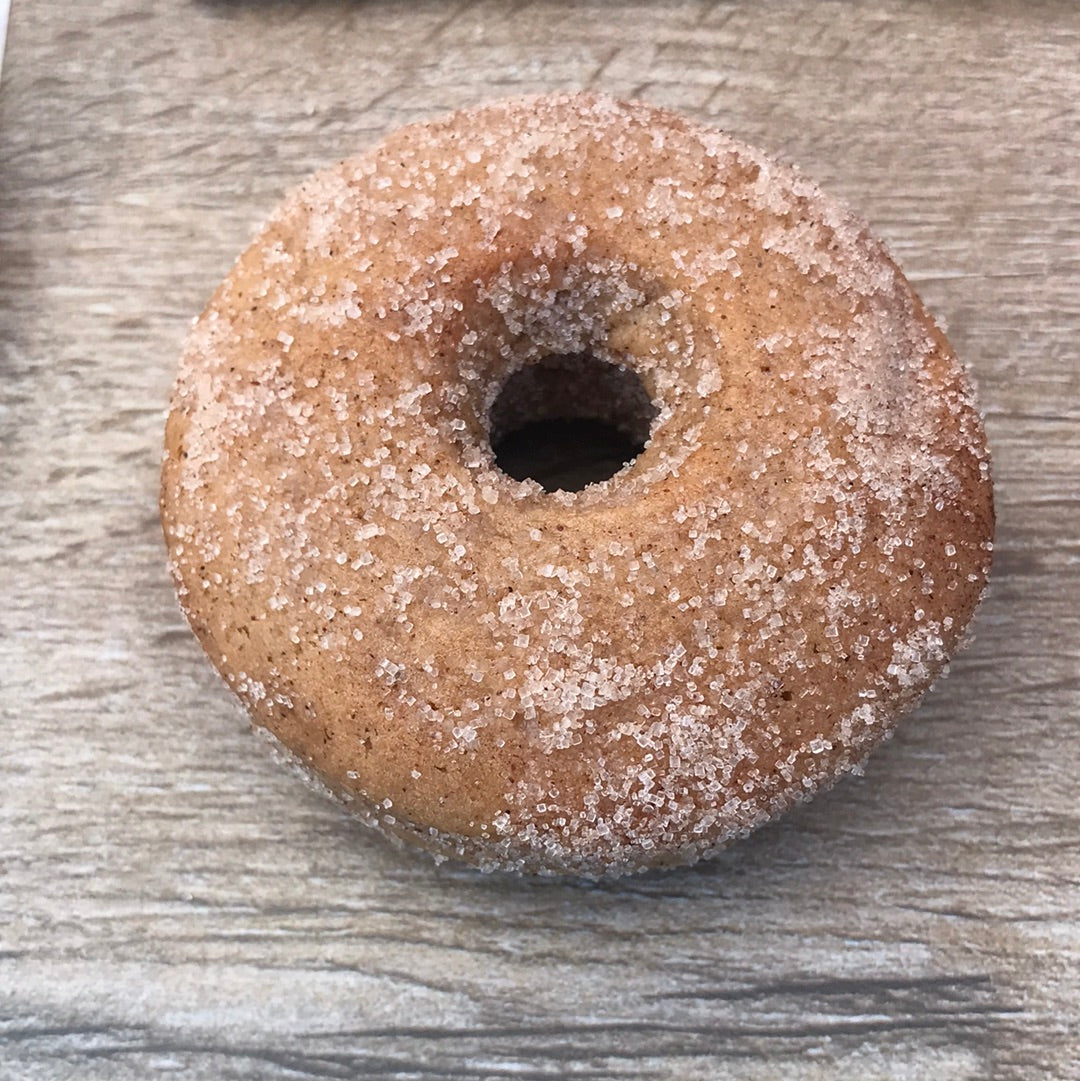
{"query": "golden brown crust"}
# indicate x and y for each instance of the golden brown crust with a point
(603, 680)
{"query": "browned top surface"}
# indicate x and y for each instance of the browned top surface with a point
(170, 898)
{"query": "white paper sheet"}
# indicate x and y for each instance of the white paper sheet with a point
(4, 6)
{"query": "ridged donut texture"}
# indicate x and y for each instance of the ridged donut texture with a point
(598, 681)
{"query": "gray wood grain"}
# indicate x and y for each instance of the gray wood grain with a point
(173, 903)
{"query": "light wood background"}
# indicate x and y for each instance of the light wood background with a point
(172, 903)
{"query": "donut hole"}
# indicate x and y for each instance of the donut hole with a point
(570, 421)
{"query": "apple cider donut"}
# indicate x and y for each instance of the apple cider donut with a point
(594, 679)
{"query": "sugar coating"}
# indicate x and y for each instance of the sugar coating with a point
(598, 681)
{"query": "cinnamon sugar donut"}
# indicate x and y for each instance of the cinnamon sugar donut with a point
(601, 680)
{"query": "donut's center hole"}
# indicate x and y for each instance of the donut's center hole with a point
(570, 421)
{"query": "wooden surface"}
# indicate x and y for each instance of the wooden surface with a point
(172, 903)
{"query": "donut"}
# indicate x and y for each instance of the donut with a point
(592, 676)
